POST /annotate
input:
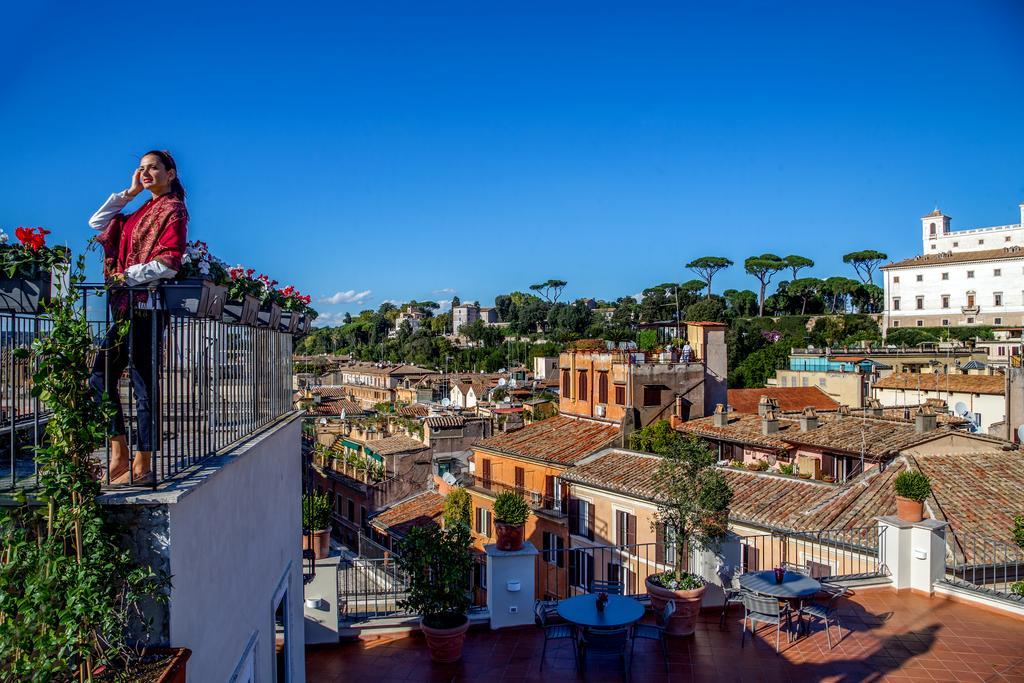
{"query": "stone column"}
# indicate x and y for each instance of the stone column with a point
(914, 552)
(511, 585)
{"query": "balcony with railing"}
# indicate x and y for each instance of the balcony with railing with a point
(549, 505)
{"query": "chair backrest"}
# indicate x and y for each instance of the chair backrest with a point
(761, 604)
(666, 614)
(540, 609)
(610, 640)
(609, 587)
(799, 568)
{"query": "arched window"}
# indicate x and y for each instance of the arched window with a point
(602, 387)
(931, 229)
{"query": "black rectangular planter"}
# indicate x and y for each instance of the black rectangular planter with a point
(195, 298)
(245, 312)
(269, 316)
(305, 324)
(24, 295)
(289, 322)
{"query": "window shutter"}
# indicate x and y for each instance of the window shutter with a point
(659, 543)
(630, 529)
(520, 479)
(574, 516)
(590, 570)
(478, 524)
(565, 497)
(549, 492)
(590, 521)
(574, 568)
(489, 524)
(560, 554)
(487, 473)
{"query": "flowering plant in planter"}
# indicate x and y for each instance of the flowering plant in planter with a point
(30, 256)
(270, 294)
(677, 580)
(242, 283)
(198, 262)
(294, 300)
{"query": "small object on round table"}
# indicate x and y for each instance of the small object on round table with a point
(619, 611)
(794, 584)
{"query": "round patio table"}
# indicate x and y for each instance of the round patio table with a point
(618, 612)
(794, 585)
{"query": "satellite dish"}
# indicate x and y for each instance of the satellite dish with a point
(342, 413)
(507, 399)
(961, 408)
(446, 402)
(1020, 433)
(449, 479)
(512, 384)
(323, 420)
(502, 382)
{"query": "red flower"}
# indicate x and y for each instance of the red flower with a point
(249, 272)
(287, 291)
(33, 238)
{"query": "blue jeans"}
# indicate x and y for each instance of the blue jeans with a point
(136, 351)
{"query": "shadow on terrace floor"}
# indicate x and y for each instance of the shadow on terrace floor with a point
(885, 636)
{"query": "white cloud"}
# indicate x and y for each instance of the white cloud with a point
(639, 297)
(329, 319)
(444, 304)
(446, 290)
(349, 297)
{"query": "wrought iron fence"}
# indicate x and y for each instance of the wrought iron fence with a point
(564, 572)
(985, 565)
(212, 383)
(552, 505)
(834, 554)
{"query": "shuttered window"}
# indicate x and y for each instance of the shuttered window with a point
(581, 569)
(554, 549)
(652, 396)
(485, 465)
(625, 528)
(581, 518)
(620, 396)
(566, 383)
(520, 480)
(582, 385)
(483, 522)
(602, 387)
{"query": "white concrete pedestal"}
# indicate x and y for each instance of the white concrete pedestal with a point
(511, 579)
(914, 552)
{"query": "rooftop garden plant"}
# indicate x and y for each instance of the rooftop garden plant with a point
(786, 468)
(198, 262)
(458, 507)
(677, 581)
(912, 485)
(316, 511)
(30, 256)
(437, 562)
(511, 508)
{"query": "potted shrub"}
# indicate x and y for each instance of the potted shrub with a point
(243, 304)
(200, 288)
(437, 562)
(693, 512)
(510, 515)
(316, 517)
(26, 270)
(912, 487)
(758, 466)
(270, 304)
(156, 664)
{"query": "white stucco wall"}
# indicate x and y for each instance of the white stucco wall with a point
(234, 538)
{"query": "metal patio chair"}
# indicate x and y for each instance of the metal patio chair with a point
(824, 610)
(733, 595)
(655, 631)
(554, 632)
(609, 587)
(607, 642)
(764, 610)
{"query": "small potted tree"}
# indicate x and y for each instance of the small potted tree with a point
(316, 518)
(200, 288)
(912, 487)
(693, 511)
(510, 515)
(437, 563)
(26, 270)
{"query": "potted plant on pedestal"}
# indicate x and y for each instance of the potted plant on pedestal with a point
(243, 304)
(437, 562)
(510, 515)
(316, 518)
(26, 270)
(912, 487)
(200, 288)
(693, 513)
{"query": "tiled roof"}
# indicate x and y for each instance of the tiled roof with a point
(742, 428)
(329, 391)
(414, 410)
(789, 398)
(418, 510)
(334, 407)
(935, 381)
(628, 472)
(959, 257)
(446, 421)
(394, 444)
(558, 439)
(876, 437)
(771, 500)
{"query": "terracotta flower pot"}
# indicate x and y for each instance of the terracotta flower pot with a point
(445, 643)
(321, 543)
(909, 510)
(510, 536)
(684, 620)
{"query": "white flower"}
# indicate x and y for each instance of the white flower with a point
(204, 268)
(186, 258)
(3, 237)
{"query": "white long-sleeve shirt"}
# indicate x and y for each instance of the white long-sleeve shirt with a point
(140, 273)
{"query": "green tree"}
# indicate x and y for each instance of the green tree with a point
(707, 266)
(711, 309)
(740, 303)
(837, 292)
(458, 507)
(763, 268)
(657, 437)
(865, 263)
(797, 263)
(805, 289)
(550, 289)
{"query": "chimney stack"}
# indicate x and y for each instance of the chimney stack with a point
(809, 419)
(766, 404)
(873, 408)
(926, 420)
(769, 423)
(721, 416)
(843, 412)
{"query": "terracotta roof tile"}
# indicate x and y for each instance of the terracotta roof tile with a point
(395, 444)
(934, 381)
(628, 472)
(418, 510)
(879, 438)
(334, 407)
(414, 410)
(959, 257)
(742, 428)
(789, 399)
(558, 439)
(446, 421)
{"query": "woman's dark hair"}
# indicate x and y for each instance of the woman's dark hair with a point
(177, 189)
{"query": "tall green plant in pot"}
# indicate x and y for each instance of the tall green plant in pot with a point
(510, 515)
(437, 563)
(693, 514)
(69, 594)
(316, 522)
(912, 488)
(458, 507)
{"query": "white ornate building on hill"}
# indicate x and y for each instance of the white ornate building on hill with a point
(966, 277)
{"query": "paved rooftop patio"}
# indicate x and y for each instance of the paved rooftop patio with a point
(886, 636)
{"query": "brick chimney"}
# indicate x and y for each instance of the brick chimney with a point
(769, 423)
(873, 408)
(843, 412)
(765, 404)
(926, 420)
(721, 416)
(808, 419)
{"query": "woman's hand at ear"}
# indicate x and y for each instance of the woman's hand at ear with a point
(136, 186)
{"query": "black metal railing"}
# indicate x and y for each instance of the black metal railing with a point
(551, 505)
(833, 554)
(212, 383)
(564, 572)
(985, 565)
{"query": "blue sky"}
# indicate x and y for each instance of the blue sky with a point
(409, 150)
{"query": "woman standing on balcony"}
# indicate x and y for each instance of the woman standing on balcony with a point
(139, 248)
